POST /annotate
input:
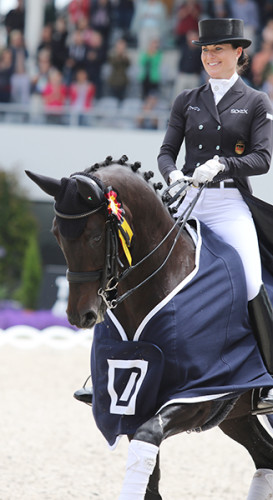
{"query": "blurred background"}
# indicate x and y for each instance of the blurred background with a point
(81, 80)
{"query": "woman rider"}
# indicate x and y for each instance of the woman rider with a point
(227, 128)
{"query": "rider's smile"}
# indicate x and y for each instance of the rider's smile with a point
(220, 60)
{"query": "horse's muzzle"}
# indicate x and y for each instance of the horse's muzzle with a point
(84, 320)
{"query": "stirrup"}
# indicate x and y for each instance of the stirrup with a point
(85, 394)
(260, 405)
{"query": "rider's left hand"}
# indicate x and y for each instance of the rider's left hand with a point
(207, 171)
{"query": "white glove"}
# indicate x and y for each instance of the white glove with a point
(176, 175)
(207, 171)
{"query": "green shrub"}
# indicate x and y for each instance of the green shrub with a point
(27, 294)
(17, 225)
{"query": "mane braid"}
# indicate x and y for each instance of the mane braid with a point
(109, 161)
(122, 161)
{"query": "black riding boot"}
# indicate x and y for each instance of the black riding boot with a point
(261, 316)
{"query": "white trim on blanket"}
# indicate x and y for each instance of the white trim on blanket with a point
(198, 242)
(194, 399)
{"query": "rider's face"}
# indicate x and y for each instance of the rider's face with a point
(220, 61)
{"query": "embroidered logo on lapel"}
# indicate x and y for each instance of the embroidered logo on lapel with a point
(193, 108)
(240, 111)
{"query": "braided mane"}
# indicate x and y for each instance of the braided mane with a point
(122, 161)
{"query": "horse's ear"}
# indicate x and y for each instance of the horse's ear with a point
(47, 184)
(89, 190)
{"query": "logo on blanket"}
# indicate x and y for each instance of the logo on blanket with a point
(124, 402)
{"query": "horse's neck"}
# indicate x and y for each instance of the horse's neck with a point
(135, 308)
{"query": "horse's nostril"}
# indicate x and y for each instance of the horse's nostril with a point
(88, 319)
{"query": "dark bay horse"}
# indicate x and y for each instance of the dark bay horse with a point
(125, 258)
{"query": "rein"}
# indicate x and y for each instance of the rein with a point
(110, 276)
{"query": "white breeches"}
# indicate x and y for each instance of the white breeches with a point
(226, 213)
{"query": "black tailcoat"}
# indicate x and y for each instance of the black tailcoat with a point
(238, 130)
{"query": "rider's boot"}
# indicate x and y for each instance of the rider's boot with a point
(261, 317)
(85, 394)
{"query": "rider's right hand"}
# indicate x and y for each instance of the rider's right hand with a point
(176, 177)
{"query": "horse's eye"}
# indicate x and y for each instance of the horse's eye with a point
(96, 238)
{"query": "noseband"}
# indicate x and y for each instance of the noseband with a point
(83, 277)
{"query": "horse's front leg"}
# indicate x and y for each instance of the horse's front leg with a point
(144, 447)
(152, 492)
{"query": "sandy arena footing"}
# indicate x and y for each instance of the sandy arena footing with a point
(50, 448)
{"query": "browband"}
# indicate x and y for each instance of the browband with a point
(76, 216)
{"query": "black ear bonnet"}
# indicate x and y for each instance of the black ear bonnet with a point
(70, 202)
(76, 197)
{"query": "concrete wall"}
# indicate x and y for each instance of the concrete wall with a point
(60, 151)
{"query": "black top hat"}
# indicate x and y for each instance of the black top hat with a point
(214, 31)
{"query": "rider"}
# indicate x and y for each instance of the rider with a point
(227, 128)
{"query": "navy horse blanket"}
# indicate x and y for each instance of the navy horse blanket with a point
(195, 345)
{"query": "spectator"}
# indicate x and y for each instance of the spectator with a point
(260, 62)
(54, 97)
(78, 9)
(124, 11)
(54, 93)
(186, 18)
(20, 80)
(15, 19)
(218, 8)
(77, 54)
(267, 10)
(81, 94)
(119, 62)
(267, 32)
(94, 61)
(101, 20)
(149, 22)
(50, 12)
(5, 75)
(40, 78)
(59, 48)
(46, 39)
(87, 31)
(150, 64)
(189, 65)
(39, 81)
(148, 118)
(267, 86)
(248, 11)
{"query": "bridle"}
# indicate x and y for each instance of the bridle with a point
(110, 276)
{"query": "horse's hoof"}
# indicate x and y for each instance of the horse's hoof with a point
(150, 495)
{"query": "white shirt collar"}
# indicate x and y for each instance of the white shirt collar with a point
(220, 86)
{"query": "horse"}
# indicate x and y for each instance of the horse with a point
(127, 257)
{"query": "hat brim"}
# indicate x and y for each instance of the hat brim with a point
(242, 41)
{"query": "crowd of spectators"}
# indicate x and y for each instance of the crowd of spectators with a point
(94, 49)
